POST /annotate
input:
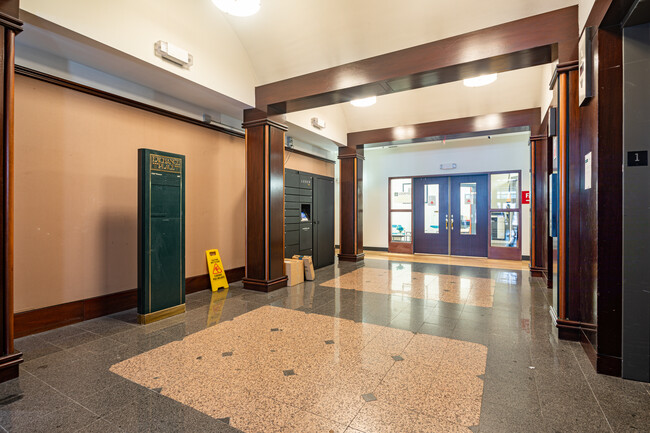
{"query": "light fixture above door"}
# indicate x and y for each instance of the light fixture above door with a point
(239, 8)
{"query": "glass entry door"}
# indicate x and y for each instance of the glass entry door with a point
(431, 218)
(469, 233)
(450, 215)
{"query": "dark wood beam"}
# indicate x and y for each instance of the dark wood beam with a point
(529, 118)
(518, 44)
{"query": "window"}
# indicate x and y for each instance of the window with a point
(505, 211)
(400, 214)
(432, 209)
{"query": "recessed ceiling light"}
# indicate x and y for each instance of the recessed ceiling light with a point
(482, 80)
(365, 102)
(239, 8)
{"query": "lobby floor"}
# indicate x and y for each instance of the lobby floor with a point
(383, 346)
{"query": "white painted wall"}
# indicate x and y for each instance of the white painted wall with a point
(472, 155)
(336, 126)
(584, 9)
(132, 27)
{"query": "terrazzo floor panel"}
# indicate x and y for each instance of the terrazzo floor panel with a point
(280, 370)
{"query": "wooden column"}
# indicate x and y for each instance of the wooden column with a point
(570, 163)
(264, 202)
(539, 206)
(9, 27)
(351, 204)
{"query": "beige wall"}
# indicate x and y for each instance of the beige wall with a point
(76, 193)
(298, 162)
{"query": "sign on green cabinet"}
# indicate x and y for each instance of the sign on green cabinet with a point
(161, 235)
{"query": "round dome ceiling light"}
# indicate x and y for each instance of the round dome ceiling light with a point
(365, 102)
(480, 81)
(239, 8)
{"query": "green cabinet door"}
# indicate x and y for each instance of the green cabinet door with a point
(161, 235)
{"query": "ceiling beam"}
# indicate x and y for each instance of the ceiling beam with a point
(518, 44)
(498, 122)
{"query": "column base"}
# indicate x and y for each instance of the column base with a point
(351, 257)
(537, 272)
(265, 285)
(9, 366)
(144, 319)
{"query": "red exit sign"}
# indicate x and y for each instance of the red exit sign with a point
(525, 197)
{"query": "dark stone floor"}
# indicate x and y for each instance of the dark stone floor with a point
(533, 382)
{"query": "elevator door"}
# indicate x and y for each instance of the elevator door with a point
(450, 215)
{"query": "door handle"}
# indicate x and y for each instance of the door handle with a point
(452, 222)
(447, 222)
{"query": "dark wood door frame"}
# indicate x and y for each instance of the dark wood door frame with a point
(526, 42)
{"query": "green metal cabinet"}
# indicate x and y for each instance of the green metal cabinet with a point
(161, 235)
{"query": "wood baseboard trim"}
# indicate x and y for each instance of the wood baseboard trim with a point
(56, 316)
(351, 257)
(572, 330)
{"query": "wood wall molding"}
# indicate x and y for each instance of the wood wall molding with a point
(56, 316)
(484, 123)
(42, 76)
(518, 44)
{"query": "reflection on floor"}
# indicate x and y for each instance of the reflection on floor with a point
(340, 345)
(401, 280)
(280, 370)
(479, 262)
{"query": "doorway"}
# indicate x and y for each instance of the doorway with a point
(450, 215)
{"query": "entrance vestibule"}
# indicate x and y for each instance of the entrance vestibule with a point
(474, 215)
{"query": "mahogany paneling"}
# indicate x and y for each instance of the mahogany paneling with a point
(489, 122)
(575, 184)
(264, 202)
(539, 205)
(9, 26)
(518, 44)
(56, 316)
(589, 218)
(610, 199)
(351, 203)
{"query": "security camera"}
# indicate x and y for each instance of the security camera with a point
(489, 137)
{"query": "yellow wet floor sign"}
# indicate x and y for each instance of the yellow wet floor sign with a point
(216, 271)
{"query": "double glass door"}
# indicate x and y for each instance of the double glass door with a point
(451, 215)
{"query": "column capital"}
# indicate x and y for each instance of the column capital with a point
(254, 117)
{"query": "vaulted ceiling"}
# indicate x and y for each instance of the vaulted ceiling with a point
(287, 38)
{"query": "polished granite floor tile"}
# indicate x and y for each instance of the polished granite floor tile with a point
(402, 280)
(484, 360)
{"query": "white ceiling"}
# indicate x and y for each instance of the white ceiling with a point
(287, 38)
(513, 90)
